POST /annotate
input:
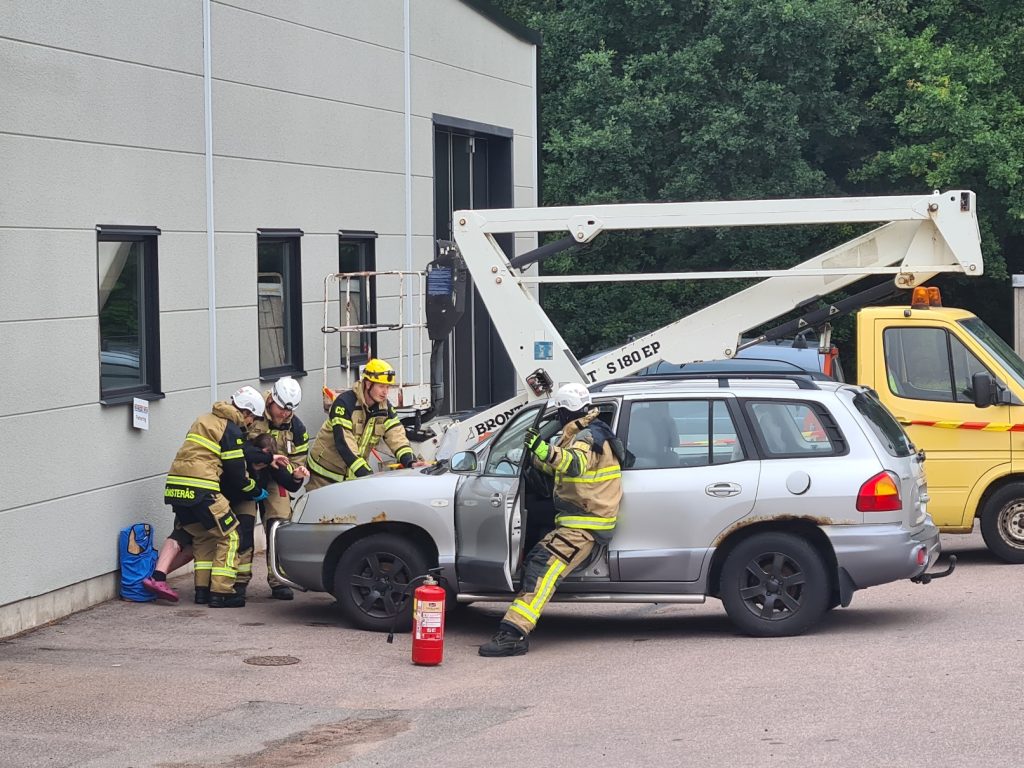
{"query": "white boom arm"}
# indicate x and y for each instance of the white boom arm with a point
(927, 234)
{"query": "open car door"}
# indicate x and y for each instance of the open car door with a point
(490, 515)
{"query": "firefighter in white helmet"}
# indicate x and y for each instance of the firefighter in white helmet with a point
(357, 421)
(585, 464)
(209, 466)
(290, 448)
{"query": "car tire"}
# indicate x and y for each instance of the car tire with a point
(371, 582)
(774, 585)
(1002, 523)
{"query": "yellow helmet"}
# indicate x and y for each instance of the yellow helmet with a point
(378, 372)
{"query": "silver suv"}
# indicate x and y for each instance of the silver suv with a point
(779, 495)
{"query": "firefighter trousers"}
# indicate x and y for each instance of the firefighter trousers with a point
(554, 557)
(246, 511)
(215, 548)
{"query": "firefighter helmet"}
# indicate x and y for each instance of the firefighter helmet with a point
(248, 399)
(286, 393)
(379, 372)
(572, 397)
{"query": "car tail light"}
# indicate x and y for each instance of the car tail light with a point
(880, 494)
(922, 555)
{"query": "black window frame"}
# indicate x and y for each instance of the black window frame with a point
(292, 306)
(743, 444)
(149, 338)
(367, 242)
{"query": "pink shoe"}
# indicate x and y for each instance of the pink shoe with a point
(160, 589)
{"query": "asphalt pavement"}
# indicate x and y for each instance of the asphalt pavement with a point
(907, 675)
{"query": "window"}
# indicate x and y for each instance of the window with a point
(279, 298)
(794, 429)
(356, 253)
(129, 313)
(507, 452)
(889, 433)
(929, 364)
(681, 433)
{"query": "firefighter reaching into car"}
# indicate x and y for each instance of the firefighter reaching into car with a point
(585, 464)
(208, 468)
(357, 421)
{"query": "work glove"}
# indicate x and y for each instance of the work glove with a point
(262, 496)
(535, 445)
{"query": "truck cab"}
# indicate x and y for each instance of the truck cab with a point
(958, 390)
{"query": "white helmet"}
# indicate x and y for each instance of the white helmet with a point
(248, 399)
(573, 397)
(286, 393)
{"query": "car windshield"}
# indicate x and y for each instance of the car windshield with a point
(885, 427)
(993, 343)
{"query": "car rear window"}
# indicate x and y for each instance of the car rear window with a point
(789, 429)
(888, 431)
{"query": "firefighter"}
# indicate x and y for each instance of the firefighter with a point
(585, 463)
(208, 467)
(356, 422)
(287, 473)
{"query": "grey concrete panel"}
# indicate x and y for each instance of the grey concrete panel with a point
(50, 92)
(184, 350)
(379, 23)
(150, 32)
(112, 451)
(182, 262)
(70, 184)
(319, 259)
(524, 159)
(304, 60)
(272, 125)
(423, 145)
(238, 345)
(237, 268)
(54, 348)
(37, 561)
(63, 262)
(439, 88)
(252, 194)
(452, 32)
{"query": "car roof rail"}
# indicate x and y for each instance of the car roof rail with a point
(802, 379)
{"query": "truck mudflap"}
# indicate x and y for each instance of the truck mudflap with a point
(926, 578)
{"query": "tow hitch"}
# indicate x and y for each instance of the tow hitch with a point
(924, 578)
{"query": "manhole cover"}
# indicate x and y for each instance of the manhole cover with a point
(271, 661)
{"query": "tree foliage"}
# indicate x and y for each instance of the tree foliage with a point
(648, 100)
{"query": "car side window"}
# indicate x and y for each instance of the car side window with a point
(681, 433)
(787, 429)
(507, 450)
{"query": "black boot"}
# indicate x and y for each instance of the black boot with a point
(219, 600)
(240, 588)
(281, 592)
(507, 641)
(202, 595)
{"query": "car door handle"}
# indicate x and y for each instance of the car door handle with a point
(496, 500)
(723, 490)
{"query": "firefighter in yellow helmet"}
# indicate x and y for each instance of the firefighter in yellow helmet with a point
(356, 422)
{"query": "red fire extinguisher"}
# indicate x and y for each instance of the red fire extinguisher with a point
(428, 623)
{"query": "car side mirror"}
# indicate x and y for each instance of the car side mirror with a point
(463, 461)
(983, 387)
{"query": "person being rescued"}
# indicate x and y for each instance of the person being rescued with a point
(585, 463)
(357, 421)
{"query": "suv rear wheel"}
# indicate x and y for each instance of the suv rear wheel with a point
(774, 585)
(371, 580)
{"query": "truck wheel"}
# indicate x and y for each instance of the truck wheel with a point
(371, 579)
(774, 585)
(1002, 523)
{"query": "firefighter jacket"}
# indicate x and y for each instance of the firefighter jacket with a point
(210, 461)
(353, 429)
(290, 437)
(588, 476)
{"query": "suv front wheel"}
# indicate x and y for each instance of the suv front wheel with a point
(774, 585)
(372, 578)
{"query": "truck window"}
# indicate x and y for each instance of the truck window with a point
(929, 364)
(888, 431)
(993, 343)
(788, 429)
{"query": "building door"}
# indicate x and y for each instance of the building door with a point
(472, 169)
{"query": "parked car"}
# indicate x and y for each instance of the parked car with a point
(781, 495)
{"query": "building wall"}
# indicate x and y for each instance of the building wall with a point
(103, 123)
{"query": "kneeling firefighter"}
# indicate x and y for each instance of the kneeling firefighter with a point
(357, 421)
(585, 463)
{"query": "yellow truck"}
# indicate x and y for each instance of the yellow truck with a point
(958, 390)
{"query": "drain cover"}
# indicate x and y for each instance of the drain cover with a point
(271, 661)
